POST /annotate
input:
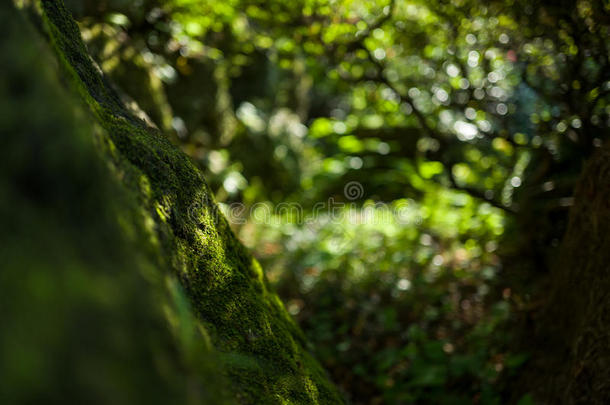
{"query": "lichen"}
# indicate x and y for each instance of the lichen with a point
(261, 349)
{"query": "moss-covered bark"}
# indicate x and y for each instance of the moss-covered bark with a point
(87, 317)
(162, 209)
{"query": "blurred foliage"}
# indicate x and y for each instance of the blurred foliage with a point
(398, 308)
(477, 114)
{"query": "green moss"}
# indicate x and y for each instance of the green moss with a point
(87, 317)
(263, 351)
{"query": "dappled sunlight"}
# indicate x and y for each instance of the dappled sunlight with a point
(308, 202)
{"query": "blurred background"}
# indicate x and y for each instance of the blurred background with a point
(470, 119)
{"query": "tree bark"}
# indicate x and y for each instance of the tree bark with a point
(570, 341)
(150, 206)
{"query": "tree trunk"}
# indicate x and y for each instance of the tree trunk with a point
(121, 216)
(570, 341)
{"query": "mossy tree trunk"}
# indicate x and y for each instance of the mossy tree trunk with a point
(160, 207)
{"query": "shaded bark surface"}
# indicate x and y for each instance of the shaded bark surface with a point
(570, 340)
